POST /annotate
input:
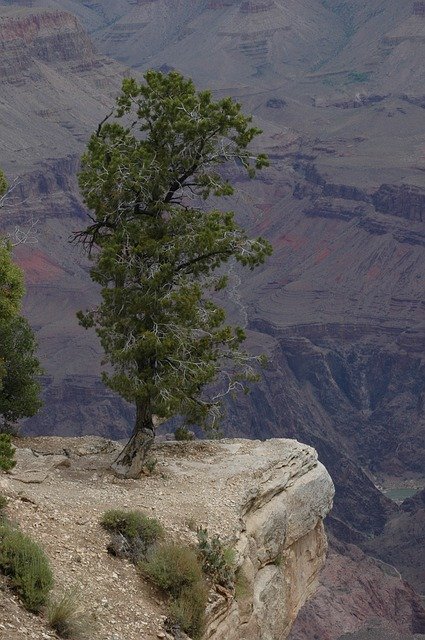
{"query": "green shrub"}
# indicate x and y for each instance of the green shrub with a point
(176, 569)
(172, 568)
(27, 566)
(3, 503)
(358, 77)
(68, 618)
(188, 610)
(132, 524)
(133, 533)
(217, 560)
(7, 452)
(183, 434)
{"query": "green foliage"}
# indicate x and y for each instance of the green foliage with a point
(157, 248)
(172, 568)
(218, 561)
(188, 610)
(11, 283)
(3, 184)
(7, 452)
(19, 391)
(133, 533)
(150, 464)
(68, 618)
(183, 434)
(19, 387)
(357, 77)
(132, 524)
(176, 569)
(27, 566)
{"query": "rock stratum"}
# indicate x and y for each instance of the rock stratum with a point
(265, 499)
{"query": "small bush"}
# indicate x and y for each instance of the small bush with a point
(183, 434)
(132, 524)
(133, 533)
(3, 503)
(188, 610)
(173, 568)
(217, 560)
(26, 564)
(68, 618)
(191, 524)
(7, 452)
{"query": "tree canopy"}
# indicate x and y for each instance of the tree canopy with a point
(159, 253)
(19, 367)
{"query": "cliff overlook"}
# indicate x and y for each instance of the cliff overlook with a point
(265, 499)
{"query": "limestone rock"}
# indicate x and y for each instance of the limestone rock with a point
(281, 542)
(34, 469)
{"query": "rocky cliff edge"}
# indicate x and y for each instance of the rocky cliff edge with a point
(265, 499)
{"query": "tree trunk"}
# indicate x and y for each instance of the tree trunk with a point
(130, 461)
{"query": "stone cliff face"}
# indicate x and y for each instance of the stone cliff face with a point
(48, 37)
(265, 499)
(372, 595)
(281, 546)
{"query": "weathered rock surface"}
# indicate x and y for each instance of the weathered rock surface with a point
(370, 594)
(266, 499)
(281, 545)
(402, 541)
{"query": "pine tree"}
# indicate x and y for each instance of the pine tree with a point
(19, 368)
(157, 250)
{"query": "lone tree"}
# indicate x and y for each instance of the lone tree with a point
(157, 250)
(19, 367)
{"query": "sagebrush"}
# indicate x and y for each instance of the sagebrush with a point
(132, 533)
(177, 570)
(26, 565)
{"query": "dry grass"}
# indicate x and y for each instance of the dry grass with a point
(68, 617)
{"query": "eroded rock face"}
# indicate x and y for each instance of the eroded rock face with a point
(281, 546)
(371, 594)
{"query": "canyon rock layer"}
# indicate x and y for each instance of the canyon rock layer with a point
(338, 90)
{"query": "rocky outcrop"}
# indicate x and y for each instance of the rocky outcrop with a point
(358, 593)
(281, 545)
(47, 36)
(404, 201)
(402, 541)
(267, 500)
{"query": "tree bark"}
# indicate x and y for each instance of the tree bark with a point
(130, 461)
